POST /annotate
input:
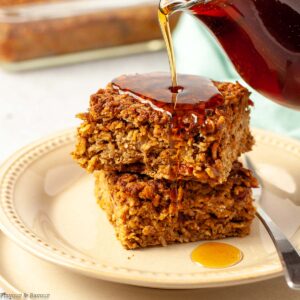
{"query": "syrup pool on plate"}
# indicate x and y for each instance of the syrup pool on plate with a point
(216, 255)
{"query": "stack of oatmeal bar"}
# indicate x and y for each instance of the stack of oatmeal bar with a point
(126, 144)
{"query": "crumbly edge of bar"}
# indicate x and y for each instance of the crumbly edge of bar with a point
(120, 133)
(143, 213)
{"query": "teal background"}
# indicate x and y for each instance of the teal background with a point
(197, 52)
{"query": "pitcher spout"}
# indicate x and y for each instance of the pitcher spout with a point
(172, 6)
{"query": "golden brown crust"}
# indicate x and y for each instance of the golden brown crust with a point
(144, 213)
(120, 133)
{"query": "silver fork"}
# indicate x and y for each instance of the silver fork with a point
(289, 256)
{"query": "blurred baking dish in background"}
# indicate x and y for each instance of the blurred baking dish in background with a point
(31, 29)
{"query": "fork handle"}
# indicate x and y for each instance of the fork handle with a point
(288, 255)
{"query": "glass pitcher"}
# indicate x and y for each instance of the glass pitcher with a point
(261, 38)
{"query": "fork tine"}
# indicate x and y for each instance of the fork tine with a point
(257, 192)
(288, 255)
(250, 166)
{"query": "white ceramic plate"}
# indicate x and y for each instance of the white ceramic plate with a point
(17, 277)
(47, 206)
